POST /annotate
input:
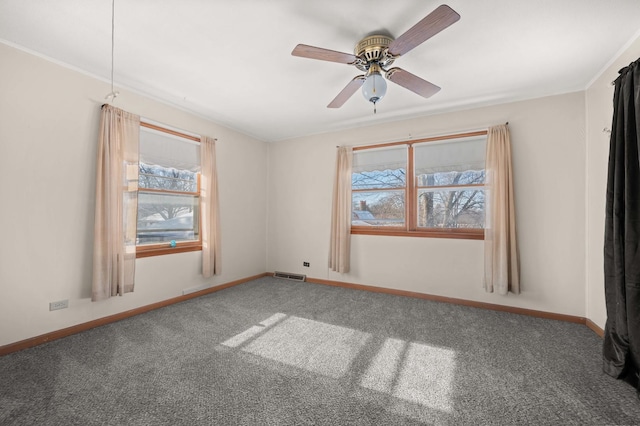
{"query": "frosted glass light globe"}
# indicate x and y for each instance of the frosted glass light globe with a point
(374, 87)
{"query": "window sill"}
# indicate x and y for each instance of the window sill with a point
(162, 249)
(466, 234)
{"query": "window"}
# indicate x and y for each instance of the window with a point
(378, 186)
(429, 187)
(168, 192)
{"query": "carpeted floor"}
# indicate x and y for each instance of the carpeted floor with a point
(276, 352)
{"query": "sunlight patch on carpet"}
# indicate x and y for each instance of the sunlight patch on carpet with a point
(311, 345)
(314, 346)
(409, 371)
(246, 335)
(413, 372)
(382, 372)
(240, 338)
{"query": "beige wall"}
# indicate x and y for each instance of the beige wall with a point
(599, 108)
(48, 131)
(549, 162)
(48, 135)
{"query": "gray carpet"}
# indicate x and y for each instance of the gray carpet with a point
(276, 352)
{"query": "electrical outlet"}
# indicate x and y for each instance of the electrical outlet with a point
(60, 304)
(305, 264)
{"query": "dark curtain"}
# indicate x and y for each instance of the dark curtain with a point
(621, 351)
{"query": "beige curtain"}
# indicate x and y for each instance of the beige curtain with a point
(339, 251)
(114, 249)
(501, 264)
(209, 208)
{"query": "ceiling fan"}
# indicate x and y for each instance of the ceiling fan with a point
(374, 54)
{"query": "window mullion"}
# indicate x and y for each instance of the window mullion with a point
(383, 189)
(167, 191)
(410, 195)
(445, 187)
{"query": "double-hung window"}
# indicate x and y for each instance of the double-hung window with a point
(168, 192)
(430, 187)
(379, 187)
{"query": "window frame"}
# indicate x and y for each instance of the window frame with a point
(159, 249)
(411, 228)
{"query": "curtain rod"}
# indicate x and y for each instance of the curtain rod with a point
(421, 140)
(162, 128)
(426, 139)
(169, 131)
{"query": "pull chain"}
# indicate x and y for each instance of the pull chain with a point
(113, 94)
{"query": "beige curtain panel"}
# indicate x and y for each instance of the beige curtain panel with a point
(340, 247)
(209, 208)
(501, 263)
(114, 250)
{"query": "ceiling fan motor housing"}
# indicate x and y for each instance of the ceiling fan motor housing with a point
(373, 50)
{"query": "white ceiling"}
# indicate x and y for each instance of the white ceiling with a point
(230, 61)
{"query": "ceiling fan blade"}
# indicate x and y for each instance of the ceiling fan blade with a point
(412, 82)
(429, 26)
(311, 52)
(347, 92)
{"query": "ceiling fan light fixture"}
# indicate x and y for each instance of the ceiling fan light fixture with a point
(375, 86)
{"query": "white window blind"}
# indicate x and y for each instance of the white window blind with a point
(163, 149)
(450, 156)
(380, 159)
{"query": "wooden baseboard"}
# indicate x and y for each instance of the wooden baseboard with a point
(58, 334)
(471, 303)
(594, 327)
